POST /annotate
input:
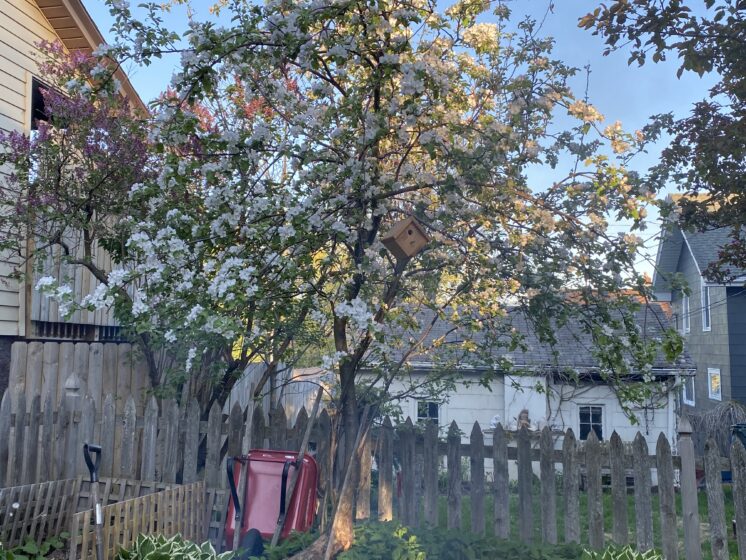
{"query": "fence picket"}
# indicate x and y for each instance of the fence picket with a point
(595, 497)
(149, 440)
(476, 467)
(571, 480)
(715, 502)
(643, 502)
(385, 471)
(689, 503)
(278, 427)
(666, 491)
(362, 505)
(191, 442)
(46, 452)
(738, 466)
(212, 461)
(430, 474)
(19, 435)
(108, 427)
(170, 451)
(258, 429)
(525, 491)
(620, 532)
(5, 413)
(407, 446)
(87, 427)
(454, 476)
(301, 421)
(548, 489)
(129, 425)
(235, 430)
(502, 481)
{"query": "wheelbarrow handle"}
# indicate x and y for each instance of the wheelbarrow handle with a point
(89, 448)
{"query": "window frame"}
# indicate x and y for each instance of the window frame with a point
(706, 314)
(601, 424)
(711, 372)
(686, 320)
(688, 401)
(428, 418)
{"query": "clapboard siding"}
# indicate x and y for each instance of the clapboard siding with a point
(21, 25)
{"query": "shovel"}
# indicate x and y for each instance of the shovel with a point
(98, 514)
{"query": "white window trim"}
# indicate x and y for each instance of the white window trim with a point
(604, 432)
(692, 401)
(711, 372)
(686, 323)
(706, 312)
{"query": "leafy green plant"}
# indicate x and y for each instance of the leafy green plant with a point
(30, 550)
(626, 553)
(158, 547)
(292, 545)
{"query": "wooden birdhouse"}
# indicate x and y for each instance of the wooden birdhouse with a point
(405, 239)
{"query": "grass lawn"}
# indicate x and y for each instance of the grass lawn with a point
(704, 521)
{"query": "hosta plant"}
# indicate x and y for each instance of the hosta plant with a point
(158, 547)
(626, 553)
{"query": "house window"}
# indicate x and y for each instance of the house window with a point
(687, 393)
(706, 325)
(591, 418)
(38, 111)
(713, 383)
(685, 324)
(427, 411)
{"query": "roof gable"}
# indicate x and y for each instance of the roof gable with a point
(76, 29)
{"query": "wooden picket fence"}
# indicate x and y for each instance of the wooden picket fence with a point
(582, 465)
(36, 511)
(167, 443)
(180, 509)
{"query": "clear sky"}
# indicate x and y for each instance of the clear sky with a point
(629, 94)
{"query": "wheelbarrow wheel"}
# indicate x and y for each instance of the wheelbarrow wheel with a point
(251, 545)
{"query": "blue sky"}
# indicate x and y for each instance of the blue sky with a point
(630, 94)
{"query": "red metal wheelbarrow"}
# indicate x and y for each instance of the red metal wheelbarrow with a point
(264, 498)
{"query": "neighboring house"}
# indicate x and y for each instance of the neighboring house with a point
(558, 386)
(23, 314)
(711, 318)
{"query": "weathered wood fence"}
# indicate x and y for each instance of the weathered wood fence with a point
(166, 443)
(570, 473)
(180, 509)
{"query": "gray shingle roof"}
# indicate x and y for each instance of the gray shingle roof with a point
(706, 245)
(574, 348)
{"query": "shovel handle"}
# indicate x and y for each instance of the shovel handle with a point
(89, 448)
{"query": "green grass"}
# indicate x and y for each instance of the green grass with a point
(704, 520)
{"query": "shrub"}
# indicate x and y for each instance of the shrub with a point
(626, 553)
(32, 551)
(158, 547)
(393, 541)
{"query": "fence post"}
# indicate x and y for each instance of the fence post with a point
(525, 490)
(454, 476)
(595, 497)
(385, 471)
(689, 503)
(548, 490)
(643, 503)
(500, 474)
(476, 466)
(5, 413)
(430, 475)
(669, 532)
(362, 505)
(620, 533)
(571, 478)
(738, 466)
(715, 501)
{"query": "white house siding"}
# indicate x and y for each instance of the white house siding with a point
(21, 25)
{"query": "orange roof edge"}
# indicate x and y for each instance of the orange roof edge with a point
(93, 38)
